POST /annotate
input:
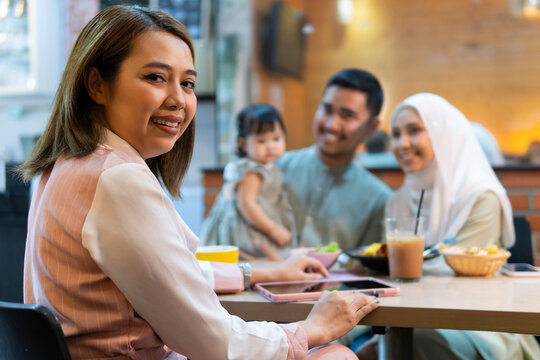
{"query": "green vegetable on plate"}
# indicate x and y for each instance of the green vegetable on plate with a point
(331, 247)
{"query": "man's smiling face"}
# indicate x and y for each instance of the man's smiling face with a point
(342, 122)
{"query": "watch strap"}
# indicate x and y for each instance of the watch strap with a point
(246, 270)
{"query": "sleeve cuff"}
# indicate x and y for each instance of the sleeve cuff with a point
(297, 340)
(228, 278)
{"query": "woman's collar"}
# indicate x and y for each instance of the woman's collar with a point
(111, 140)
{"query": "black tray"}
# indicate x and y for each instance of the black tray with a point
(377, 263)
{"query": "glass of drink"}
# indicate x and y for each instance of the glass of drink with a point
(405, 240)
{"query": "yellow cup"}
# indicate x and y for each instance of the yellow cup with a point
(218, 253)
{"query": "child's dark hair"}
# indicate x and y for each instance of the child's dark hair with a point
(257, 119)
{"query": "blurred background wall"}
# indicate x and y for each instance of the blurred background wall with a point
(481, 55)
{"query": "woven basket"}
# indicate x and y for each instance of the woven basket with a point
(476, 265)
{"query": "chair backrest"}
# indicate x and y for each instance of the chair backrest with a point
(30, 332)
(12, 244)
(522, 251)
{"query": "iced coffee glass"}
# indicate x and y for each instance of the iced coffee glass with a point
(405, 240)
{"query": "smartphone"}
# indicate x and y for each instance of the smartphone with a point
(312, 289)
(520, 270)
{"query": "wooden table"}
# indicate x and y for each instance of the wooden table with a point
(440, 300)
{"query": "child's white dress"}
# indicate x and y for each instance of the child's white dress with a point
(225, 225)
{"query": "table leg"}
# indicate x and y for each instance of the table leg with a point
(396, 344)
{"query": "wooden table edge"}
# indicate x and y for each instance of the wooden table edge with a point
(463, 319)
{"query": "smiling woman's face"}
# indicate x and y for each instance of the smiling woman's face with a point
(151, 101)
(410, 141)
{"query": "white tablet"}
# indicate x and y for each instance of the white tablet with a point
(520, 270)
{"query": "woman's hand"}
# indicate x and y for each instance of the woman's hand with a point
(294, 268)
(334, 315)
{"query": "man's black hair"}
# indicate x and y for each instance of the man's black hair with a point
(363, 81)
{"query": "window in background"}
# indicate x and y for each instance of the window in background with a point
(234, 41)
(30, 49)
(197, 16)
(15, 72)
(188, 12)
(106, 3)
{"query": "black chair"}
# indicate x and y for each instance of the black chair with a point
(12, 244)
(14, 203)
(30, 332)
(522, 251)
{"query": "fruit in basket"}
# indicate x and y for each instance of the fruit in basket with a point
(475, 260)
(471, 250)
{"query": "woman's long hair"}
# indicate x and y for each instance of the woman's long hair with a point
(75, 126)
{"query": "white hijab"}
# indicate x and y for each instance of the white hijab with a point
(459, 173)
(488, 144)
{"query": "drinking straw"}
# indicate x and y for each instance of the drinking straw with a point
(418, 212)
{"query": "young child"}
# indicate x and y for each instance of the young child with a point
(252, 210)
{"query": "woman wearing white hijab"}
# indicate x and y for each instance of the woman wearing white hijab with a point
(436, 148)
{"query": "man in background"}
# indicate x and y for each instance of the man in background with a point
(333, 197)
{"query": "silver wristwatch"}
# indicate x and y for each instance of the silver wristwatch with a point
(246, 270)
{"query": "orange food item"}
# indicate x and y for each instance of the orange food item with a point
(383, 250)
(375, 249)
(473, 250)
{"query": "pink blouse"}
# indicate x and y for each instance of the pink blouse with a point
(109, 254)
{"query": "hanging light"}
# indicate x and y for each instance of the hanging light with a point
(345, 11)
(525, 8)
(531, 8)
